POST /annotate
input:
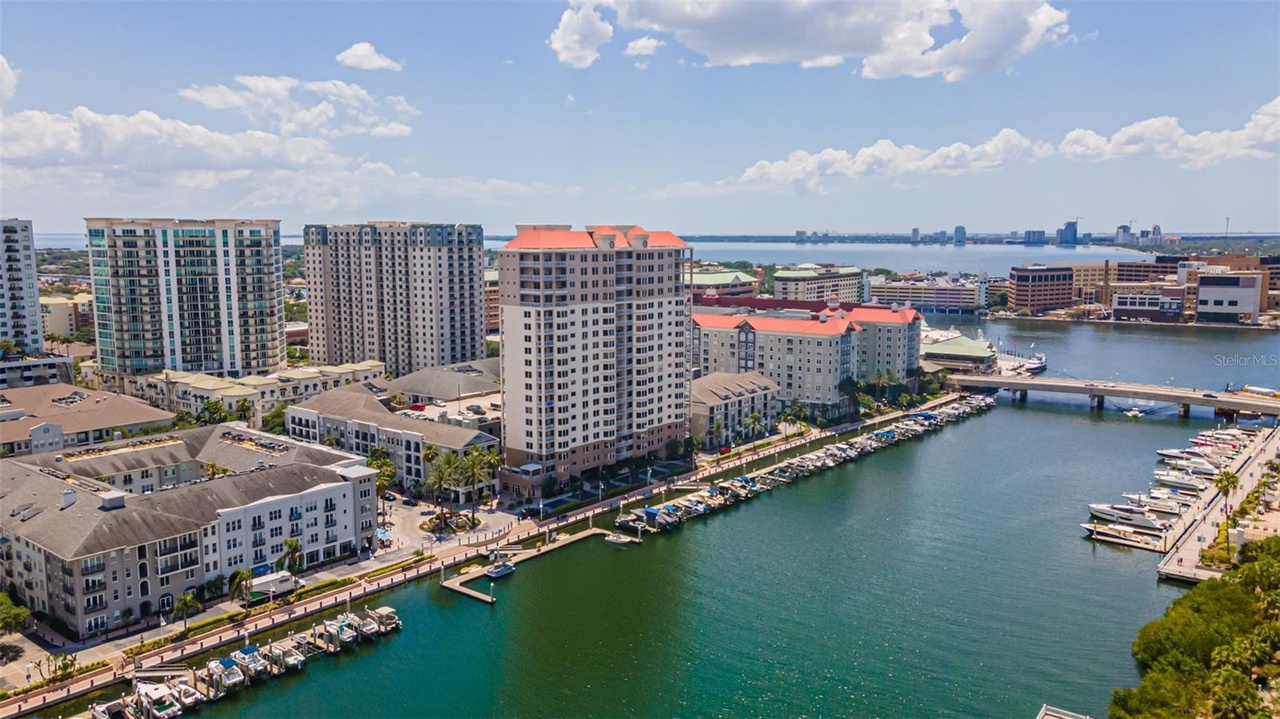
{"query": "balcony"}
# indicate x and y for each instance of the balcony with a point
(96, 584)
(330, 522)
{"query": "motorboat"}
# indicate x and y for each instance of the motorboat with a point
(1184, 499)
(500, 568)
(1123, 535)
(1128, 514)
(1195, 466)
(1156, 504)
(188, 697)
(1181, 480)
(285, 656)
(1134, 413)
(616, 538)
(250, 660)
(226, 673)
(365, 626)
(110, 710)
(387, 619)
(157, 701)
(1036, 364)
(342, 630)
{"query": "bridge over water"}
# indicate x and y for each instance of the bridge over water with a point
(1223, 403)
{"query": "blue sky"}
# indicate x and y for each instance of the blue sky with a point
(757, 117)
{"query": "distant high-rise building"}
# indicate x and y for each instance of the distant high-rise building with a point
(191, 295)
(961, 235)
(1033, 237)
(1124, 235)
(595, 351)
(1068, 234)
(915, 234)
(410, 294)
(20, 321)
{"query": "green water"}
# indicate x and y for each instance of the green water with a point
(944, 577)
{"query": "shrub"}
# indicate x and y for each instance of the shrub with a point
(327, 585)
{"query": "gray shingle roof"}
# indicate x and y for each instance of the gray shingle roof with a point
(708, 388)
(448, 382)
(355, 402)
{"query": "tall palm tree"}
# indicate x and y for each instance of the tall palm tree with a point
(1227, 482)
(240, 585)
(784, 419)
(292, 558)
(717, 430)
(477, 469)
(752, 424)
(185, 605)
(243, 408)
(447, 471)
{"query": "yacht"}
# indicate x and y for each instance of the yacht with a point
(1128, 514)
(1183, 499)
(616, 538)
(500, 568)
(1123, 535)
(1036, 364)
(1194, 466)
(157, 701)
(111, 710)
(1154, 503)
(1181, 480)
(250, 660)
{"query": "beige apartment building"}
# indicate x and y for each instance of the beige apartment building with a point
(816, 283)
(410, 294)
(190, 295)
(724, 404)
(66, 315)
(491, 314)
(595, 330)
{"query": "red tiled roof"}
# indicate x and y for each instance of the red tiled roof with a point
(551, 240)
(852, 311)
(881, 315)
(775, 324)
(659, 238)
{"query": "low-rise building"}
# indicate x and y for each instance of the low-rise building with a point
(1155, 302)
(93, 558)
(725, 283)
(35, 369)
(52, 417)
(1039, 288)
(66, 316)
(188, 391)
(358, 418)
(1231, 297)
(728, 406)
(948, 295)
(957, 352)
(813, 282)
(449, 382)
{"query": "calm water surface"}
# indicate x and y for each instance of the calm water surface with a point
(944, 577)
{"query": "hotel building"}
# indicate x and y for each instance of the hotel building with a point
(191, 295)
(810, 282)
(595, 330)
(410, 294)
(1039, 288)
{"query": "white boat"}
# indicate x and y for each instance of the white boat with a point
(250, 660)
(1128, 514)
(1156, 504)
(187, 695)
(341, 630)
(387, 619)
(285, 656)
(1135, 413)
(226, 673)
(500, 569)
(1184, 499)
(366, 626)
(157, 701)
(1036, 364)
(1195, 466)
(1181, 480)
(110, 710)
(616, 538)
(1122, 535)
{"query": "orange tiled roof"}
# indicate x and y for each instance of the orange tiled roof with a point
(775, 324)
(882, 315)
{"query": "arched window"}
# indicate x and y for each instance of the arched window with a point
(144, 588)
(142, 569)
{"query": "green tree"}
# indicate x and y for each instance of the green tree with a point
(216, 586)
(274, 420)
(292, 559)
(186, 605)
(212, 412)
(243, 409)
(13, 617)
(848, 389)
(240, 585)
(380, 460)
(799, 412)
(449, 474)
(717, 433)
(7, 348)
(753, 423)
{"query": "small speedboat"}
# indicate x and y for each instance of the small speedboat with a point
(226, 673)
(187, 695)
(342, 630)
(157, 701)
(366, 626)
(387, 619)
(250, 660)
(616, 538)
(499, 569)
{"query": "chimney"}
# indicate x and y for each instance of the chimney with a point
(833, 301)
(68, 499)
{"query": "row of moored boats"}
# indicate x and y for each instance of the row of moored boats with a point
(222, 676)
(668, 515)
(1144, 519)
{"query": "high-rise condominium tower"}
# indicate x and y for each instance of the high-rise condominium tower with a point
(20, 304)
(595, 328)
(191, 295)
(410, 294)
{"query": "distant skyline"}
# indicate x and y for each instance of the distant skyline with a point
(757, 118)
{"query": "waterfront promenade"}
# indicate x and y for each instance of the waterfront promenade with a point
(1183, 561)
(120, 668)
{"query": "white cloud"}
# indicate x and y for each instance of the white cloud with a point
(642, 66)
(8, 80)
(363, 56)
(570, 100)
(643, 46)
(1163, 137)
(280, 102)
(892, 39)
(578, 37)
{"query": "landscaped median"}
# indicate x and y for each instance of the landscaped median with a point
(63, 675)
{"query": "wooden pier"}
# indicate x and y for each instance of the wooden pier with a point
(458, 583)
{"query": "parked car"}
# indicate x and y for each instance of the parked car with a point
(439, 403)
(389, 497)
(475, 409)
(410, 502)
(726, 450)
(528, 512)
(1210, 395)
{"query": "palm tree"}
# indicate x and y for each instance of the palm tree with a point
(881, 380)
(430, 453)
(477, 469)
(185, 605)
(1226, 482)
(7, 347)
(447, 472)
(240, 586)
(784, 419)
(291, 560)
(213, 470)
(798, 411)
(243, 408)
(752, 424)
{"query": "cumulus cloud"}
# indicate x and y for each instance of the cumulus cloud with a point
(892, 39)
(285, 104)
(570, 100)
(578, 37)
(363, 56)
(643, 46)
(8, 80)
(642, 66)
(1163, 137)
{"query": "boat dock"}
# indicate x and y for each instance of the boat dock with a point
(1182, 561)
(458, 583)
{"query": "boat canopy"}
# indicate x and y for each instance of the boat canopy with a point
(227, 663)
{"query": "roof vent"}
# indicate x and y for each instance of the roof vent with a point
(68, 498)
(112, 500)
